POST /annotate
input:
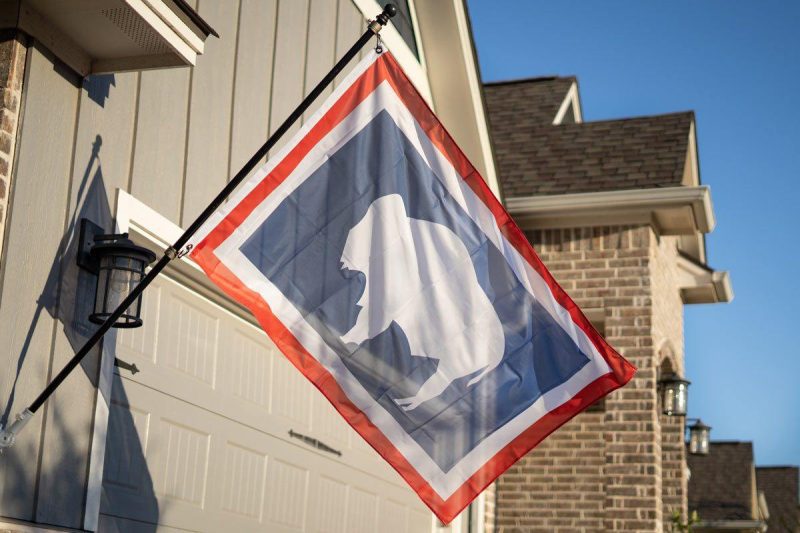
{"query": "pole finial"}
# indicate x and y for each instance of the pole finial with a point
(382, 19)
(389, 11)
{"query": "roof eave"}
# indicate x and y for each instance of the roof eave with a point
(672, 210)
(682, 211)
(700, 284)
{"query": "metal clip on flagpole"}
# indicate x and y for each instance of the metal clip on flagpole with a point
(9, 434)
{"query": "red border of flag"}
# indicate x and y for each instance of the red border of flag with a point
(385, 68)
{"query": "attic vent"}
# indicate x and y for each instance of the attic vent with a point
(137, 30)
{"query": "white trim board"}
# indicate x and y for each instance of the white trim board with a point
(570, 100)
(672, 210)
(415, 69)
(702, 285)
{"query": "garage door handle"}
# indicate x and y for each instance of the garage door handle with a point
(311, 441)
(119, 363)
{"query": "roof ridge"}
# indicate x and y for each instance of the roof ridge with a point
(532, 79)
(688, 112)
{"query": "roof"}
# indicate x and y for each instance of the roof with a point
(721, 483)
(780, 486)
(534, 101)
(195, 17)
(636, 153)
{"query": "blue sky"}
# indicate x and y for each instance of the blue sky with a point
(737, 65)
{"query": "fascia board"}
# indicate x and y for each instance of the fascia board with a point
(171, 36)
(614, 206)
(701, 284)
(178, 26)
(723, 286)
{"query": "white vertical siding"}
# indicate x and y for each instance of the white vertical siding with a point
(208, 145)
(31, 268)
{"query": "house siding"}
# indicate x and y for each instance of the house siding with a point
(171, 138)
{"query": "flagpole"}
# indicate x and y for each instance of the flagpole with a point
(8, 435)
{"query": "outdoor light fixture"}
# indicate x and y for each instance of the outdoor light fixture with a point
(119, 265)
(674, 394)
(699, 434)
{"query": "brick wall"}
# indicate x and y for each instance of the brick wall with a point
(603, 471)
(668, 333)
(12, 70)
(490, 508)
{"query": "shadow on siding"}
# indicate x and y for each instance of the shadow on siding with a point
(68, 296)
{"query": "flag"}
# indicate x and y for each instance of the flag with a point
(376, 258)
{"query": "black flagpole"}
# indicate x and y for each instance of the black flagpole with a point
(8, 435)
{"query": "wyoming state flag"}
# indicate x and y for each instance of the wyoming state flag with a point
(373, 254)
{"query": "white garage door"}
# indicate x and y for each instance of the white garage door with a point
(209, 435)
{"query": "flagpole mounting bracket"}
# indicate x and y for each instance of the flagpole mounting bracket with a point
(172, 253)
(9, 434)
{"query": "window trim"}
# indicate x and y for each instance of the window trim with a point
(416, 69)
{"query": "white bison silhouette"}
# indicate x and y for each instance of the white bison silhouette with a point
(419, 274)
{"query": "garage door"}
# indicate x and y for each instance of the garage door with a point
(218, 432)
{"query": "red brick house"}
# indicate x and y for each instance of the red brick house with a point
(617, 211)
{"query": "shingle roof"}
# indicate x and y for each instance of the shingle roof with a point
(532, 100)
(721, 483)
(636, 153)
(780, 486)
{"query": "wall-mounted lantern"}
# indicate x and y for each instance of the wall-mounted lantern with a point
(699, 435)
(120, 265)
(674, 394)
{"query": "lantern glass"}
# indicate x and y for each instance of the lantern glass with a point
(121, 266)
(675, 393)
(699, 434)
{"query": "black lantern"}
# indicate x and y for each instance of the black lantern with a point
(699, 434)
(674, 395)
(120, 267)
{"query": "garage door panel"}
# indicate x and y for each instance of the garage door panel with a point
(213, 475)
(192, 344)
(199, 439)
(420, 519)
(394, 517)
(244, 477)
(292, 395)
(183, 456)
(328, 425)
(247, 368)
(139, 345)
(176, 452)
(255, 383)
(126, 477)
(331, 499)
(362, 511)
(287, 486)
